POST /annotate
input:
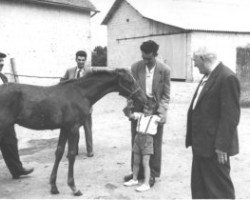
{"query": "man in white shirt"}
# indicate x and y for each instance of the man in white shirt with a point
(154, 79)
(74, 73)
(8, 143)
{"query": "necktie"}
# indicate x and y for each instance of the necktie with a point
(200, 87)
(78, 73)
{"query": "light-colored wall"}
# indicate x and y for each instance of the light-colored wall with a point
(225, 45)
(43, 40)
(125, 38)
(118, 27)
(172, 51)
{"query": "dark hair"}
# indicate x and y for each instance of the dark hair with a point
(81, 53)
(150, 47)
(151, 104)
(2, 55)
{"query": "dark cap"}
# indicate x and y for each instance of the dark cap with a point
(2, 55)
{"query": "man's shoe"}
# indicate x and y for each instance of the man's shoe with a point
(91, 154)
(151, 181)
(24, 171)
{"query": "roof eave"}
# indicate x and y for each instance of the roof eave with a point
(44, 2)
(217, 31)
(111, 11)
(167, 24)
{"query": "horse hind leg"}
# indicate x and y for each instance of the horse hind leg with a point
(72, 150)
(58, 154)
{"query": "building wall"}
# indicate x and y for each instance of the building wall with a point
(171, 52)
(43, 40)
(127, 29)
(225, 45)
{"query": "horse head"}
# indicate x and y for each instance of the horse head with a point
(128, 87)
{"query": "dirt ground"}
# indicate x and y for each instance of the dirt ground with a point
(100, 177)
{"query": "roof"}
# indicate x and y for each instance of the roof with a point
(78, 4)
(200, 15)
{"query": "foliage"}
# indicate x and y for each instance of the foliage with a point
(99, 56)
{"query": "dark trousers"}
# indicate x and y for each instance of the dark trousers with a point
(211, 180)
(9, 149)
(87, 124)
(155, 159)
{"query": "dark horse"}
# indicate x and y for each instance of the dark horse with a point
(63, 106)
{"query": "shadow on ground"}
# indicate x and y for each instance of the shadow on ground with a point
(37, 146)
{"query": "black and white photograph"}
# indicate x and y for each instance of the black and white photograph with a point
(124, 99)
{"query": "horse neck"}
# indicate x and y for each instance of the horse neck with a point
(96, 87)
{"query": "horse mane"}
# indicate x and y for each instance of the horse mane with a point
(97, 71)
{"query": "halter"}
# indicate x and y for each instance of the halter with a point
(131, 93)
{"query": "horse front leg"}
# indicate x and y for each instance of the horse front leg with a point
(58, 154)
(72, 151)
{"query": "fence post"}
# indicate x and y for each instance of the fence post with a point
(13, 68)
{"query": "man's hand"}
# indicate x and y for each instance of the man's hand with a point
(221, 156)
(162, 119)
(127, 111)
(130, 103)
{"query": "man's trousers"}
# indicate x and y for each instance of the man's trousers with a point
(9, 149)
(211, 180)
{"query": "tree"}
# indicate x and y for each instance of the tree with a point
(99, 56)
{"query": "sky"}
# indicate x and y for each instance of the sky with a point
(98, 31)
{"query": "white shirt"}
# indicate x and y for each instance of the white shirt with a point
(146, 124)
(149, 81)
(203, 83)
(81, 72)
(199, 90)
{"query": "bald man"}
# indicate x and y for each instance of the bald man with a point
(212, 123)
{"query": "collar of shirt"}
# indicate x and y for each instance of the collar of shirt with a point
(149, 81)
(80, 69)
(214, 65)
(150, 71)
(203, 82)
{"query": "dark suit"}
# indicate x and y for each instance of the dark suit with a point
(161, 92)
(212, 124)
(8, 146)
(87, 123)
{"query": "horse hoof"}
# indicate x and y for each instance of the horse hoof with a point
(54, 191)
(78, 193)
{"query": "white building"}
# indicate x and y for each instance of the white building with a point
(179, 27)
(44, 35)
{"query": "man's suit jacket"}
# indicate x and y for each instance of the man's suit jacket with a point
(212, 124)
(3, 77)
(9, 136)
(161, 83)
(71, 73)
